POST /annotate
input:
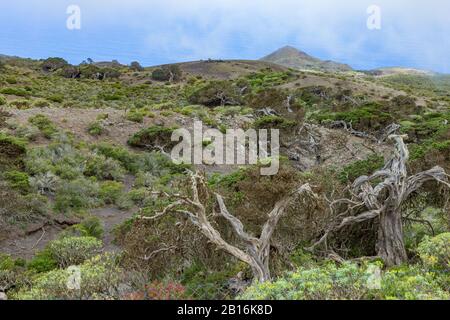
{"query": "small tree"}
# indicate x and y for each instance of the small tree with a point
(216, 93)
(53, 64)
(251, 250)
(170, 73)
(380, 197)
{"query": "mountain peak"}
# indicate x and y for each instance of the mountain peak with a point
(287, 51)
(292, 57)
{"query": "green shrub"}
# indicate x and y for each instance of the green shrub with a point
(89, 227)
(215, 94)
(350, 281)
(100, 278)
(110, 191)
(104, 168)
(138, 196)
(167, 73)
(12, 151)
(20, 104)
(53, 64)
(369, 117)
(6, 262)
(3, 101)
(435, 252)
(42, 262)
(129, 160)
(30, 133)
(44, 124)
(76, 195)
(20, 92)
(273, 122)
(361, 168)
(18, 180)
(328, 282)
(410, 283)
(96, 128)
(136, 115)
(41, 103)
(152, 137)
(74, 250)
(59, 98)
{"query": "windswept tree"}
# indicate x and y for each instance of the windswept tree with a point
(136, 66)
(200, 206)
(381, 196)
(53, 64)
(171, 73)
(216, 93)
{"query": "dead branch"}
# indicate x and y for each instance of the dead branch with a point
(253, 251)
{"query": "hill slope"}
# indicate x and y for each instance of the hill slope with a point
(293, 58)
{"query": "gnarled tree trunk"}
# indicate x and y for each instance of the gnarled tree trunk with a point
(383, 200)
(390, 245)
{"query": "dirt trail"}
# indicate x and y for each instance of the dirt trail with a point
(25, 244)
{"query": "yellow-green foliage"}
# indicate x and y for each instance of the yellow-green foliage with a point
(435, 252)
(350, 281)
(110, 191)
(74, 250)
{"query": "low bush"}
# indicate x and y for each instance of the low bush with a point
(350, 281)
(78, 194)
(152, 138)
(361, 168)
(89, 227)
(110, 191)
(100, 277)
(273, 122)
(44, 124)
(103, 168)
(215, 94)
(71, 251)
(96, 128)
(18, 180)
(20, 104)
(136, 115)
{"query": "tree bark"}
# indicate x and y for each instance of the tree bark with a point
(390, 244)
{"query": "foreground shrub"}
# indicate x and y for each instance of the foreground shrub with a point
(435, 252)
(77, 194)
(350, 281)
(99, 277)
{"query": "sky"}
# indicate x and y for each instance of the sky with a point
(414, 33)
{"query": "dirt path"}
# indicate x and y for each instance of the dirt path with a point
(23, 244)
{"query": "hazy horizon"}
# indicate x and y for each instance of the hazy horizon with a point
(413, 33)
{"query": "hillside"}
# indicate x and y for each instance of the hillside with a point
(293, 58)
(85, 178)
